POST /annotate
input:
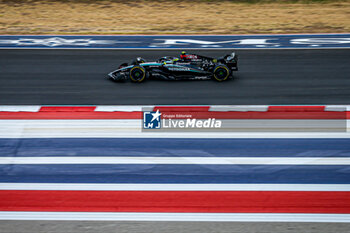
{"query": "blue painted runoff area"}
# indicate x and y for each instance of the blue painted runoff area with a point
(177, 41)
(174, 173)
(176, 147)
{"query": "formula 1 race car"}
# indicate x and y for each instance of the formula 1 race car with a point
(188, 66)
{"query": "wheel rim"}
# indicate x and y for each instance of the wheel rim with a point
(137, 74)
(221, 73)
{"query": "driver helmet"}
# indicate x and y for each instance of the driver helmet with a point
(140, 60)
(183, 55)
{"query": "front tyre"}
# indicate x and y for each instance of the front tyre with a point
(221, 73)
(137, 74)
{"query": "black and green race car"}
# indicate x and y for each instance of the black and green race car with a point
(188, 66)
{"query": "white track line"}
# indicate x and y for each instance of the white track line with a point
(175, 187)
(130, 129)
(128, 133)
(207, 217)
(238, 108)
(20, 108)
(189, 48)
(121, 108)
(179, 160)
(131, 108)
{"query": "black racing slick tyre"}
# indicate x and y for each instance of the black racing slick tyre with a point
(221, 73)
(137, 74)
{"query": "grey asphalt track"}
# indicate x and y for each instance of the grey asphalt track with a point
(160, 227)
(266, 77)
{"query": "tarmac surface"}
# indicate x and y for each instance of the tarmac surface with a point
(79, 77)
(155, 227)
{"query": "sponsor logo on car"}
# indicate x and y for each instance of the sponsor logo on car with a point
(178, 69)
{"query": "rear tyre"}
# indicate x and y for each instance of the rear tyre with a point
(221, 73)
(137, 74)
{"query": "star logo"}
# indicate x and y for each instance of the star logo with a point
(152, 120)
(156, 115)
